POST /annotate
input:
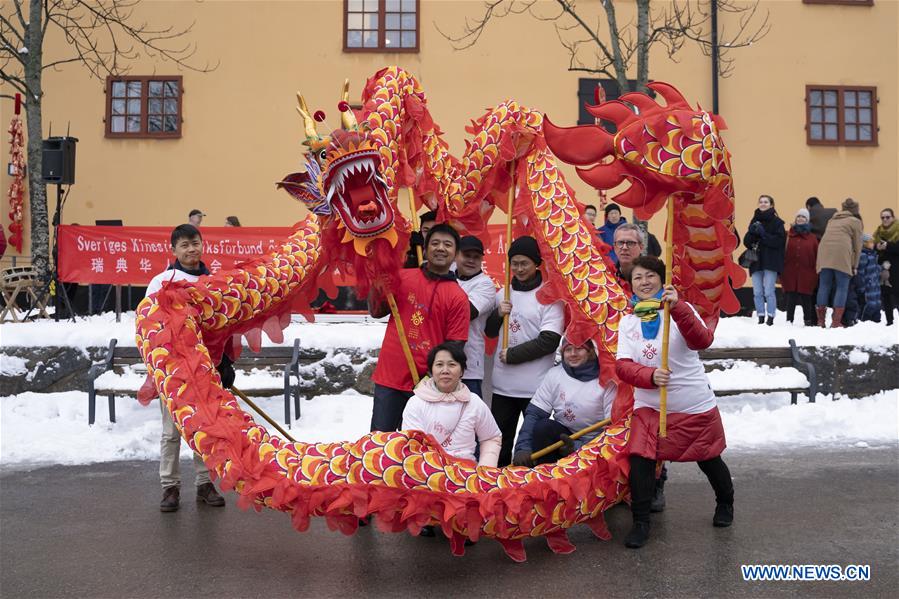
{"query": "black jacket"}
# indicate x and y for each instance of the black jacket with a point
(818, 217)
(767, 230)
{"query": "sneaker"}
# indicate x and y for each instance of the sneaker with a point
(724, 515)
(171, 499)
(638, 535)
(658, 499)
(207, 494)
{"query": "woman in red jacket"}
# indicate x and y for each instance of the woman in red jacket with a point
(695, 431)
(799, 277)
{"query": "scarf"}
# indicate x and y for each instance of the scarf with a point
(197, 272)
(528, 285)
(648, 312)
(803, 229)
(427, 390)
(587, 371)
(468, 278)
(889, 234)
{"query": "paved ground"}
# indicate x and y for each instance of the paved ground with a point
(94, 531)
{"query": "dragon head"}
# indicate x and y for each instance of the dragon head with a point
(343, 182)
(659, 149)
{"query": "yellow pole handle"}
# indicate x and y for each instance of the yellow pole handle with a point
(416, 225)
(669, 252)
(401, 331)
(507, 293)
(584, 431)
(259, 411)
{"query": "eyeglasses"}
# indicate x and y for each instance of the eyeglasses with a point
(626, 244)
(887, 217)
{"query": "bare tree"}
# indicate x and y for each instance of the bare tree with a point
(622, 47)
(102, 35)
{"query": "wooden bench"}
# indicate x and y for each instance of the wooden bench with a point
(773, 369)
(122, 372)
(18, 280)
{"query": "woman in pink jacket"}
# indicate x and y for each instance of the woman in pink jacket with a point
(443, 407)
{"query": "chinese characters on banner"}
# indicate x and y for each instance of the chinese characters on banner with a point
(134, 255)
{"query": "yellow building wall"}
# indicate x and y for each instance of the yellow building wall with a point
(241, 132)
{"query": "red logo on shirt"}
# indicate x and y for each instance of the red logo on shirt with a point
(514, 326)
(650, 351)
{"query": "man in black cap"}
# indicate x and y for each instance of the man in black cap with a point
(195, 217)
(535, 330)
(481, 296)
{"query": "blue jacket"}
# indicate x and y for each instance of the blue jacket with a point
(607, 234)
(867, 285)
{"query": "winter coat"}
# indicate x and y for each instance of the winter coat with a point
(607, 234)
(818, 217)
(799, 273)
(867, 282)
(767, 230)
(890, 255)
(841, 245)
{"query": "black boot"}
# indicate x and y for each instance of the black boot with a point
(770, 321)
(171, 499)
(657, 504)
(638, 535)
(724, 515)
(761, 320)
(642, 482)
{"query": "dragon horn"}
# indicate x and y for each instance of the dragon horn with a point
(347, 117)
(308, 121)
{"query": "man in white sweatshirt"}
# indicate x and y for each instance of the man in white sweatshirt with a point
(481, 294)
(187, 248)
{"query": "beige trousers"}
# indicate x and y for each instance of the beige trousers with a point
(170, 452)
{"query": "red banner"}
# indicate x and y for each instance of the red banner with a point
(134, 255)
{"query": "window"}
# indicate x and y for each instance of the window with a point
(855, 2)
(380, 25)
(586, 94)
(840, 115)
(143, 106)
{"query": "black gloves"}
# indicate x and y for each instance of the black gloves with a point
(523, 458)
(226, 371)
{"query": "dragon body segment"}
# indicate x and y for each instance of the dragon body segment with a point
(404, 479)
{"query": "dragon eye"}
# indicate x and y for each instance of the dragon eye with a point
(322, 154)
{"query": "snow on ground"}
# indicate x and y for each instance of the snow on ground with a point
(38, 429)
(334, 331)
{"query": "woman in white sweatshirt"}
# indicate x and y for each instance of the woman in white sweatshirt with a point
(444, 408)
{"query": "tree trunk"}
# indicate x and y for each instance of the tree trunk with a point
(37, 189)
(614, 40)
(642, 45)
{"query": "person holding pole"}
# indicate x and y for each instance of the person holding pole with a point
(534, 332)
(481, 297)
(187, 248)
(432, 309)
(569, 399)
(695, 432)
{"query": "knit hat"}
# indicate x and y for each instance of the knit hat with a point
(850, 205)
(526, 246)
(802, 212)
(867, 237)
(611, 207)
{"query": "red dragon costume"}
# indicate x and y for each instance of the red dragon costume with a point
(350, 185)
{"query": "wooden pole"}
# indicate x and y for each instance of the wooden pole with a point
(669, 267)
(507, 292)
(584, 431)
(416, 225)
(401, 331)
(259, 411)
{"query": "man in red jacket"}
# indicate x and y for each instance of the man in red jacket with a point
(433, 309)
